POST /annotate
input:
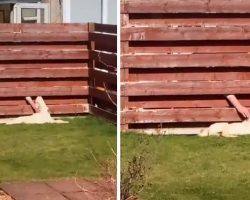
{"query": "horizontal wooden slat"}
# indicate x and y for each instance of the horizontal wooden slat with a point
(31, 54)
(106, 28)
(203, 101)
(180, 20)
(56, 101)
(180, 115)
(106, 77)
(38, 46)
(187, 103)
(185, 60)
(104, 42)
(192, 75)
(184, 88)
(186, 6)
(43, 73)
(103, 113)
(44, 37)
(43, 28)
(189, 47)
(42, 83)
(43, 91)
(185, 33)
(42, 65)
(107, 59)
(54, 109)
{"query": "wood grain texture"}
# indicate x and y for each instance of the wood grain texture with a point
(54, 109)
(154, 88)
(43, 73)
(185, 60)
(180, 115)
(185, 6)
(185, 33)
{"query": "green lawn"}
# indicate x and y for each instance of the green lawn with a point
(192, 168)
(33, 152)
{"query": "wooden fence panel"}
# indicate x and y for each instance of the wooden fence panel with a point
(49, 60)
(103, 71)
(179, 60)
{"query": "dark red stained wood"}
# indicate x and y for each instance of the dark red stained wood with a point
(42, 83)
(57, 46)
(184, 88)
(104, 42)
(44, 37)
(183, 60)
(185, 33)
(43, 28)
(107, 59)
(196, 21)
(106, 28)
(44, 60)
(192, 75)
(39, 65)
(157, 47)
(29, 54)
(43, 91)
(106, 77)
(69, 109)
(181, 115)
(103, 113)
(188, 103)
(43, 73)
(54, 109)
(186, 48)
(186, 6)
(102, 94)
(23, 102)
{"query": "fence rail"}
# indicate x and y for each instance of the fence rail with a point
(179, 59)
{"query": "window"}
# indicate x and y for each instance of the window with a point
(31, 13)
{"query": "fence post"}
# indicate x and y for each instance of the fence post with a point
(124, 72)
(91, 29)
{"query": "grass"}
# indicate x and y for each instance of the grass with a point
(192, 168)
(36, 152)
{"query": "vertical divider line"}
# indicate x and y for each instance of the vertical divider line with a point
(118, 102)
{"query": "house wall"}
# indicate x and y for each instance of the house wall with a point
(112, 11)
(55, 10)
(91, 11)
(86, 11)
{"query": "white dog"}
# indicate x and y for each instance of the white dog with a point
(41, 116)
(227, 129)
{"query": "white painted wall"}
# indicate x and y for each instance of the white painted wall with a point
(82, 11)
(66, 11)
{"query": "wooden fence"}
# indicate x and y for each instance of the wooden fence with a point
(103, 71)
(180, 58)
(48, 60)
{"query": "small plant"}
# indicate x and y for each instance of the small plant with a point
(108, 169)
(134, 177)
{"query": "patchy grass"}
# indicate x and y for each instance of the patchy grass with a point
(193, 168)
(33, 152)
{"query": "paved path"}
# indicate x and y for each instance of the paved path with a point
(61, 190)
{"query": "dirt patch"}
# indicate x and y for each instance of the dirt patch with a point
(4, 196)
